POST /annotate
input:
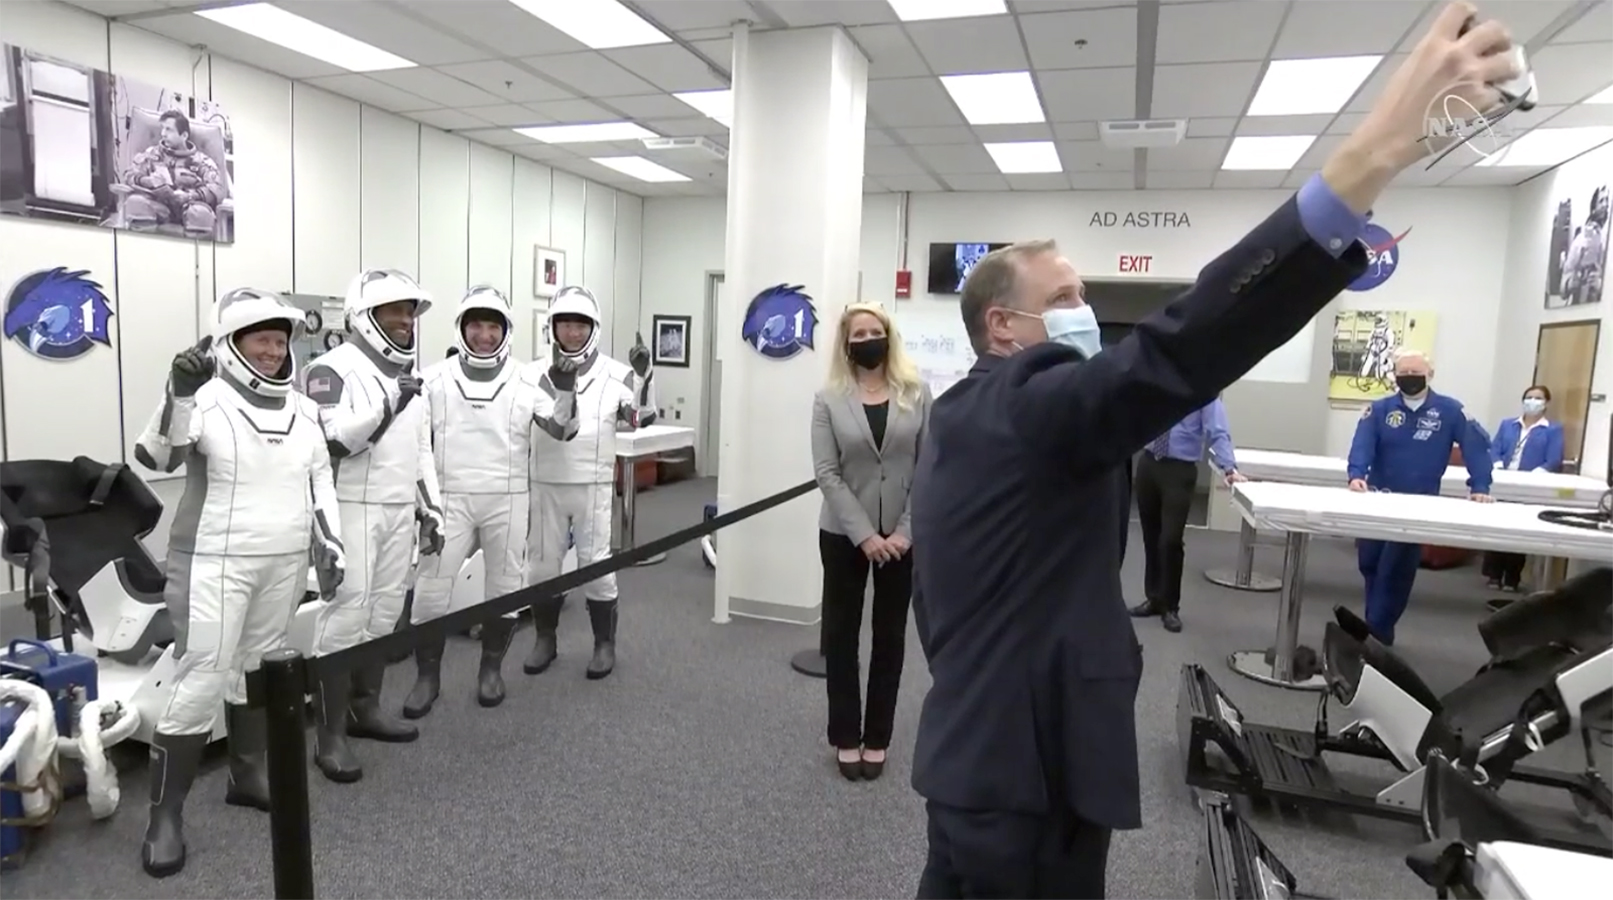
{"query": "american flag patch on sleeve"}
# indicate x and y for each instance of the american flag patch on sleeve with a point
(318, 384)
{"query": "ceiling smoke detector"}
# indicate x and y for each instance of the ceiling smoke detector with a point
(686, 148)
(1142, 134)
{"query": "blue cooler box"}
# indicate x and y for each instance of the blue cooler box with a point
(68, 678)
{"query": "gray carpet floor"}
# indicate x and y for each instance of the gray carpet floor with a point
(700, 769)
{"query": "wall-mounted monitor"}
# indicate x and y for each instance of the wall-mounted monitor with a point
(950, 264)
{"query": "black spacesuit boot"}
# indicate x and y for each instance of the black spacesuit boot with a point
(602, 615)
(427, 680)
(332, 753)
(545, 647)
(174, 760)
(366, 719)
(403, 624)
(249, 764)
(496, 637)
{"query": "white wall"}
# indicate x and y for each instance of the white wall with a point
(1451, 264)
(1534, 206)
(324, 188)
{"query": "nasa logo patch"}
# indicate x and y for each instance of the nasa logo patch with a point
(780, 322)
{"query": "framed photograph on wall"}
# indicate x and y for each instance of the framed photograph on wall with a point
(548, 271)
(671, 335)
(540, 334)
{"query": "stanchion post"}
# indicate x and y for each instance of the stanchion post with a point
(1288, 608)
(285, 694)
(812, 663)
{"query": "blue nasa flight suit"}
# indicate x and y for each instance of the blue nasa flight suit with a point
(1406, 451)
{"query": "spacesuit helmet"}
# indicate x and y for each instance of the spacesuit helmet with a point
(369, 291)
(574, 303)
(483, 302)
(244, 311)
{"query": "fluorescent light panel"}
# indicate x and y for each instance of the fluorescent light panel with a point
(1025, 157)
(1606, 96)
(717, 105)
(1266, 154)
(1547, 147)
(273, 24)
(1307, 87)
(641, 168)
(584, 134)
(597, 24)
(922, 10)
(1001, 98)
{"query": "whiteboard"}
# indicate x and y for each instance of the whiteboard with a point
(934, 338)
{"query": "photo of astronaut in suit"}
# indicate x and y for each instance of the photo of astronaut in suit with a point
(1576, 263)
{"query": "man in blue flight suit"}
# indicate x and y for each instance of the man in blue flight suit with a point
(1403, 446)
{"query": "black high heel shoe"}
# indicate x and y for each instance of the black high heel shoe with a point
(872, 770)
(851, 771)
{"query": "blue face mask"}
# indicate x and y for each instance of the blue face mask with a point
(1074, 327)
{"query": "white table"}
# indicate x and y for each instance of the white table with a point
(632, 446)
(1508, 871)
(1298, 511)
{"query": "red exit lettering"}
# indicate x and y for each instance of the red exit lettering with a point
(1135, 264)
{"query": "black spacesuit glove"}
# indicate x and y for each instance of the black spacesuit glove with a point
(431, 532)
(409, 387)
(563, 372)
(639, 357)
(191, 369)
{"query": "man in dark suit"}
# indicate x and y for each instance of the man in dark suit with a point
(1027, 750)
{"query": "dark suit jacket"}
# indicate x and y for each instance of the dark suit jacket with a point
(1020, 502)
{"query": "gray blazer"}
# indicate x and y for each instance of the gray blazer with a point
(865, 489)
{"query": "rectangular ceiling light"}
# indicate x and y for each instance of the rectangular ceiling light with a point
(1547, 147)
(596, 24)
(586, 134)
(1001, 98)
(1606, 96)
(1309, 87)
(1266, 154)
(718, 105)
(275, 25)
(922, 10)
(640, 168)
(1025, 157)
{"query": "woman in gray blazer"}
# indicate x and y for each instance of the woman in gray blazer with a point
(867, 424)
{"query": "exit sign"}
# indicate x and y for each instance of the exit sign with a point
(1135, 265)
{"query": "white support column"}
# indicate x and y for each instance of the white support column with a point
(795, 178)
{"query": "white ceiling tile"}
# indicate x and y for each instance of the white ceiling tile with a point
(1101, 181)
(498, 137)
(1048, 181)
(1076, 131)
(1260, 126)
(1585, 115)
(509, 115)
(110, 8)
(686, 15)
(1211, 126)
(1418, 176)
(1178, 181)
(1320, 150)
(1568, 73)
(448, 119)
(1296, 178)
(1001, 134)
(970, 46)
(591, 74)
(1524, 18)
(1347, 122)
(652, 106)
(1110, 36)
(956, 159)
(872, 186)
(697, 35)
(718, 50)
(1029, 7)
(508, 82)
(882, 161)
(890, 53)
(603, 148)
(911, 101)
(431, 84)
(1212, 89)
(540, 151)
(1190, 155)
(1317, 28)
(954, 134)
(876, 137)
(994, 182)
(1491, 176)
(804, 13)
(574, 112)
(686, 127)
(668, 67)
(393, 30)
(504, 27)
(914, 183)
(1217, 32)
(1089, 95)
(1373, 87)
(1243, 179)
(1093, 156)
(197, 31)
(367, 90)
(1593, 27)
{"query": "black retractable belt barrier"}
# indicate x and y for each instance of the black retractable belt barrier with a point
(282, 684)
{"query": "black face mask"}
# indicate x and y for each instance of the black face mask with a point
(869, 354)
(1411, 385)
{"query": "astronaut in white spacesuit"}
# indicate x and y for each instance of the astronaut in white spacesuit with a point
(574, 483)
(1379, 359)
(484, 408)
(257, 486)
(386, 481)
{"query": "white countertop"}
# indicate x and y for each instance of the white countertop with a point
(652, 439)
(1545, 488)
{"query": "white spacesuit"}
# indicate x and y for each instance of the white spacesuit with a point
(257, 486)
(1379, 359)
(574, 483)
(386, 481)
(483, 411)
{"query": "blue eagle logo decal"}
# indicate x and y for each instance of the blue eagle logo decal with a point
(780, 321)
(58, 314)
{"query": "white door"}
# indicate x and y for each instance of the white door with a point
(711, 400)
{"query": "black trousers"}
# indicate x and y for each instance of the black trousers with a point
(1506, 568)
(980, 854)
(1164, 498)
(845, 582)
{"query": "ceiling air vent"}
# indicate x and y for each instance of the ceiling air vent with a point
(693, 149)
(1142, 134)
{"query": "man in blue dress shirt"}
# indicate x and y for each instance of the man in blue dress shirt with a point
(1167, 474)
(1403, 446)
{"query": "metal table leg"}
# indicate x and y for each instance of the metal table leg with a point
(1277, 668)
(1244, 577)
(630, 511)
